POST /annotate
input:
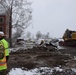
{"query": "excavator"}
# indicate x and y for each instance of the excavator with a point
(69, 38)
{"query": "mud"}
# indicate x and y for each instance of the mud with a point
(42, 57)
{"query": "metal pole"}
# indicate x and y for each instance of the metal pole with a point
(10, 27)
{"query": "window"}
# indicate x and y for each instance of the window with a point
(1, 29)
(1, 19)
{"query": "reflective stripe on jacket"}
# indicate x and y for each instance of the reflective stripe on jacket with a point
(3, 64)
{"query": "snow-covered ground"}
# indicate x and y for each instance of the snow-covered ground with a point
(38, 71)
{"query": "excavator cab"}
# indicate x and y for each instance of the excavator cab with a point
(69, 38)
(69, 35)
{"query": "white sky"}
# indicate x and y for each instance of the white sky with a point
(53, 16)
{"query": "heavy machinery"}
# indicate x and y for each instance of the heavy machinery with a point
(69, 38)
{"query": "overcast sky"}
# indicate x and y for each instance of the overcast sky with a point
(53, 16)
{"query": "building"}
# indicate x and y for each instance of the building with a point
(5, 21)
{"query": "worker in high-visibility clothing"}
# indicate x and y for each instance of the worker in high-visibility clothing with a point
(3, 61)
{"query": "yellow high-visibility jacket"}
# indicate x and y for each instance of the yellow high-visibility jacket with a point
(3, 64)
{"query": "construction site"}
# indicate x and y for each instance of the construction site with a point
(44, 56)
(58, 56)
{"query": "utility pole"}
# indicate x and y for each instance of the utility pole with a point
(10, 26)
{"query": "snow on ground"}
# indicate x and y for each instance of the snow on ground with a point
(36, 71)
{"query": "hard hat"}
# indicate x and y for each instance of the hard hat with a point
(1, 33)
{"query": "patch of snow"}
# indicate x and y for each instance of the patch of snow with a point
(74, 69)
(74, 57)
(36, 71)
(17, 49)
(18, 71)
(58, 69)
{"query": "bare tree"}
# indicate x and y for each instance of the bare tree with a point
(28, 35)
(21, 13)
(38, 35)
(47, 35)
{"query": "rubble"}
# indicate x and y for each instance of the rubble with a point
(44, 56)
